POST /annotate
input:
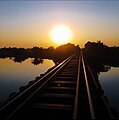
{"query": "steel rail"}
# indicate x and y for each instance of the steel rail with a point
(88, 91)
(105, 103)
(25, 98)
(77, 92)
(28, 93)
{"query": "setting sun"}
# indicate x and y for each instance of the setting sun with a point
(61, 34)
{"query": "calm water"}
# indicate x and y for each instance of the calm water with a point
(14, 75)
(110, 83)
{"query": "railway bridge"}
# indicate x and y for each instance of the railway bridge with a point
(69, 91)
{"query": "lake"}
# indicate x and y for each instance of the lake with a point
(110, 83)
(15, 74)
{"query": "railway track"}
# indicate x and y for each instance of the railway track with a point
(68, 92)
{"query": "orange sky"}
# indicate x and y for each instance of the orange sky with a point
(28, 23)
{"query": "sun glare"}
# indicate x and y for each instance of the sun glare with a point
(61, 34)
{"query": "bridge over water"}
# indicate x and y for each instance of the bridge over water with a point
(69, 91)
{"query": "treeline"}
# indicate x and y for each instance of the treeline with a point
(99, 54)
(58, 53)
(100, 49)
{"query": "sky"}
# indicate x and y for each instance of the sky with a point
(28, 23)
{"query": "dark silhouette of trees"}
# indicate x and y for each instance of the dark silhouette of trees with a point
(94, 48)
(100, 56)
(57, 55)
(37, 61)
(94, 51)
(66, 50)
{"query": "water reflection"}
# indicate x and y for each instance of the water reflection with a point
(16, 74)
(107, 73)
(110, 82)
(18, 59)
(37, 61)
(106, 68)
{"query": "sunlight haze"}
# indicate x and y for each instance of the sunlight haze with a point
(28, 23)
(61, 34)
